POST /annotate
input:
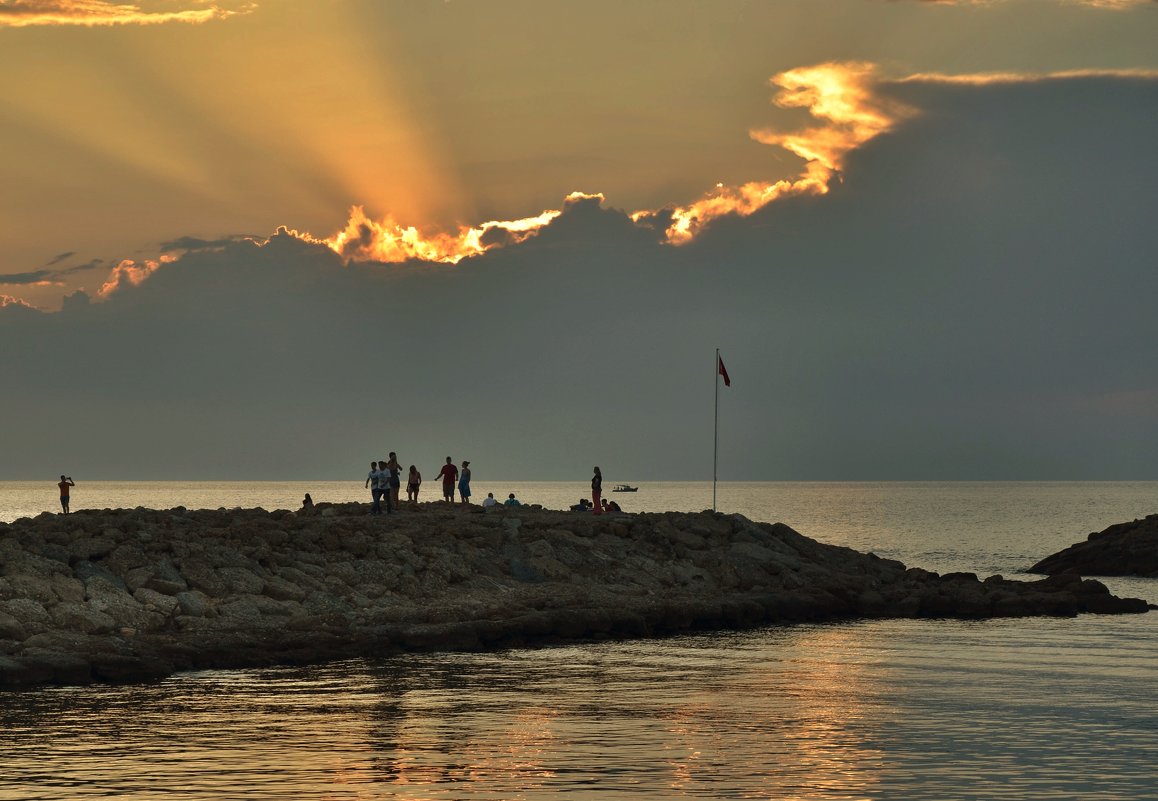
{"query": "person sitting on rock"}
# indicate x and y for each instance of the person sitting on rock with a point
(511, 500)
(581, 506)
(612, 506)
(489, 501)
(307, 503)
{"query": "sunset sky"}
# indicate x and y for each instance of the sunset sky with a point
(918, 230)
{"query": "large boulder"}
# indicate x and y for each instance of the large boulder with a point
(1124, 549)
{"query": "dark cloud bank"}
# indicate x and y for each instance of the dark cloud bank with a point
(976, 301)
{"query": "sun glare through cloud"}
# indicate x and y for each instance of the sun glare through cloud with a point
(849, 102)
(840, 95)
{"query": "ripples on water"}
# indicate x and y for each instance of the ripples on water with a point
(894, 709)
(1017, 709)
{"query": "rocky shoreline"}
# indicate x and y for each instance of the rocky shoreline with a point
(1123, 549)
(132, 595)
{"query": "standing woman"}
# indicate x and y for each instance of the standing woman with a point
(597, 490)
(464, 483)
(395, 470)
(413, 482)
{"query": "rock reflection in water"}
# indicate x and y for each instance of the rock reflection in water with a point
(881, 710)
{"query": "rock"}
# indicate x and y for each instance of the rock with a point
(282, 590)
(193, 604)
(157, 601)
(239, 580)
(81, 618)
(11, 628)
(27, 611)
(150, 592)
(88, 549)
(1124, 549)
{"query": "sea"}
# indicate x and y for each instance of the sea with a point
(1037, 708)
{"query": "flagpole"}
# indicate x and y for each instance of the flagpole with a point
(716, 431)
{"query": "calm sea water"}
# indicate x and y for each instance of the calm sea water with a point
(1018, 709)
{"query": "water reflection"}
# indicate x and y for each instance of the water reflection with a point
(882, 710)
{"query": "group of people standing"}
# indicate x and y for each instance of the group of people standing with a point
(385, 480)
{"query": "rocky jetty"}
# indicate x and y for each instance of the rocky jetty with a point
(1124, 549)
(129, 595)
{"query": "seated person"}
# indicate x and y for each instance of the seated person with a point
(581, 506)
(511, 500)
(490, 501)
(613, 507)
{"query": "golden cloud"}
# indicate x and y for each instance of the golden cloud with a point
(93, 13)
(364, 239)
(849, 101)
(843, 97)
(129, 272)
(8, 300)
(990, 78)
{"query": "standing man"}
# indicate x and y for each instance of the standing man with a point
(65, 483)
(597, 491)
(372, 482)
(449, 475)
(384, 484)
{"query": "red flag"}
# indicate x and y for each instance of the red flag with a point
(724, 372)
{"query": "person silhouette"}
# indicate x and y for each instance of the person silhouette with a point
(449, 475)
(464, 483)
(65, 483)
(413, 482)
(596, 491)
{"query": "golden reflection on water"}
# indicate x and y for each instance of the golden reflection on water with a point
(919, 711)
(817, 710)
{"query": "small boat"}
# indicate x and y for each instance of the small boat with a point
(624, 488)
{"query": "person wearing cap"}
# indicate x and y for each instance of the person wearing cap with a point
(464, 482)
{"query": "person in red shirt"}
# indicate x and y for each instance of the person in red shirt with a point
(65, 483)
(449, 475)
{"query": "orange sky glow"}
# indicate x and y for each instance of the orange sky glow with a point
(434, 132)
(841, 96)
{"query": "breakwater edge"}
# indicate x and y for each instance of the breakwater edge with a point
(128, 595)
